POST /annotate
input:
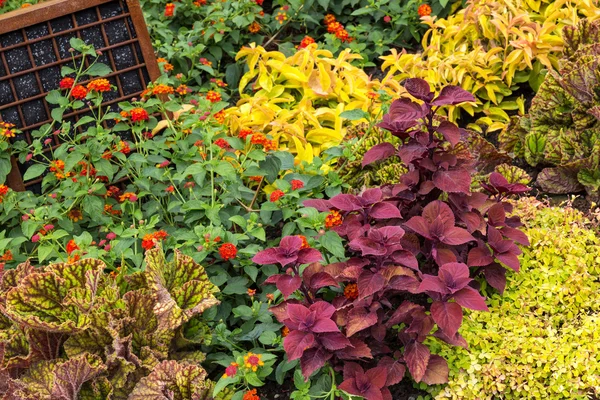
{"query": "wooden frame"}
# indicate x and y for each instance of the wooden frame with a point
(92, 17)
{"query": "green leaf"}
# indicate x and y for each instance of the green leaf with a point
(271, 167)
(332, 242)
(239, 220)
(354, 115)
(267, 337)
(34, 171)
(57, 114)
(253, 379)
(236, 285)
(99, 69)
(54, 97)
(223, 383)
(44, 251)
(93, 206)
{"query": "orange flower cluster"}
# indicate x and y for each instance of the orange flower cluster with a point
(99, 85)
(305, 244)
(254, 27)
(139, 115)
(251, 395)
(58, 167)
(7, 130)
(306, 42)
(261, 139)
(199, 3)
(71, 246)
(108, 209)
(333, 26)
(351, 291)
(204, 61)
(333, 219)
(3, 192)
(244, 133)
(128, 196)
(169, 9)
(213, 97)
(7, 256)
(281, 17)
(182, 90)
(424, 10)
(151, 239)
(162, 89)
(220, 117)
(79, 92)
(285, 331)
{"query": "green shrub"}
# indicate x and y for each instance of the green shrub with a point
(541, 340)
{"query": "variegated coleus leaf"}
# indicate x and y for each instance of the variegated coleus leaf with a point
(182, 288)
(174, 380)
(57, 300)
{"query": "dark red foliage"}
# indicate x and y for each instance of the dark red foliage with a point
(428, 235)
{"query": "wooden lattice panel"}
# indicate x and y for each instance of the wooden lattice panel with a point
(34, 46)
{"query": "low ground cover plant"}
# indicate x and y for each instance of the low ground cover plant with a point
(544, 343)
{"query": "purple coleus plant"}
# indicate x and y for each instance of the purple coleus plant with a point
(425, 237)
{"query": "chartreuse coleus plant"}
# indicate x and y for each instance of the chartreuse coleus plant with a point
(562, 129)
(492, 49)
(300, 100)
(71, 331)
(545, 323)
(419, 250)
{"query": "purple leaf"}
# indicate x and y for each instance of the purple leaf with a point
(432, 283)
(308, 256)
(515, 234)
(369, 283)
(323, 309)
(268, 256)
(418, 88)
(457, 340)
(439, 209)
(510, 260)
(405, 110)
(470, 298)
(378, 152)
(450, 132)
(358, 350)
(404, 283)
(360, 318)
(385, 210)
(334, 341)
(457, 181)
(312, 360)
(346, 202)
(288, 284)
(479, 257)
(395, 370)
(456, 236)
(453, 95)
(419, 225)
(448, 316)
(324, 325)
(496, 215)
(410, 152)
(417, 358)
(296, 342)
(404, 312)
(437, 371)
(321, 205)
(371, 196)
(495, 275)
(322, 279)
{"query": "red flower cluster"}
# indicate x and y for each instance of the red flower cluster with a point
(297, 184)
(424, 10)
(71, 246)
(7, 256)
(228, 251)
(3, 191)
(213, 97)
(67, 83)
(251, 394)
(79, 92)
(169, 9)
(333, 26)
(150, 240)
(244, 133)
(276, 195)
(139, 114)
(222, 143)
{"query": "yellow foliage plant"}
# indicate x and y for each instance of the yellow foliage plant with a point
(492, 48)
(540, 339)
(298, 100)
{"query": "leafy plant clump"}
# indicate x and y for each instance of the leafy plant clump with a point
(562, 129)
(71, 331)
(425, 237)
